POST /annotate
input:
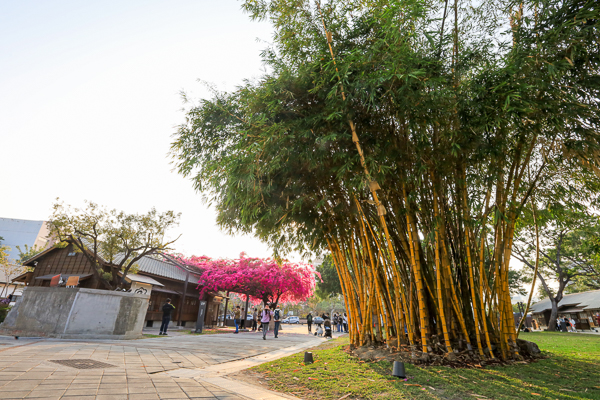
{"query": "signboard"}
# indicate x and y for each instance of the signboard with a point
(201, 313)
(141, 288)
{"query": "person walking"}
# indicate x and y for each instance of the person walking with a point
(309, 322)
(254, 319)
(277, 319)
(598, 319)
(264, 321)
(244, 316)
(167, 309)
(236, 318)
(345, 322)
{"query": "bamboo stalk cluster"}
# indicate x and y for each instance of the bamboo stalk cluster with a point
(425, 274)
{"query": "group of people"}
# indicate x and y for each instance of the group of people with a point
(569, 323)
(340, 322)
(265, 316)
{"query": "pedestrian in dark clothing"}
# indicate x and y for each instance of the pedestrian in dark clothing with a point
(277, 319)
(327, 325)
(236, 318)
(309, 322)
(167, 310)
(254, 319)
(260, 313)
(243, 319)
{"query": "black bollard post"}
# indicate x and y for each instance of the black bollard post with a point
(308, 358)
(398, 370)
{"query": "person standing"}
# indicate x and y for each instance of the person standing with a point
(264, 321)
(260, 313)
(236, 318)
(345, 322)
(277, 319)
(309, 322)
(167, 310)
(243, 318)
(254, 319)
(597, 319)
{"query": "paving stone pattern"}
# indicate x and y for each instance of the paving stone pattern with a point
(27, 372)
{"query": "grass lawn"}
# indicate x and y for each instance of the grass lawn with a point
(571, 371)
(211, 331)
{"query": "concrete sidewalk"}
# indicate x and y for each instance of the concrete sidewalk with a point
(180, 366)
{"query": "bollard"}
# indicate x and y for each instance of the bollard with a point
(308, 358)
(399, 370)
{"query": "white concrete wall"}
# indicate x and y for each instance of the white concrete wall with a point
(77, 313)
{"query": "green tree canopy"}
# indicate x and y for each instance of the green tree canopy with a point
(330, 284)
(112, 241)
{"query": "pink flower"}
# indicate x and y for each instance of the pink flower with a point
(263, 279)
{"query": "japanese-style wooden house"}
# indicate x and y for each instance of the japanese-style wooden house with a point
(583, 307)
(161, 277)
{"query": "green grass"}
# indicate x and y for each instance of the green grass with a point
(211, 331)
(149, 336)
(571, 371)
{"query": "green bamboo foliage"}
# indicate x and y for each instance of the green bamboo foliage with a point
(405, 137)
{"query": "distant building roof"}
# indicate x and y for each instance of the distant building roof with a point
(143, 279)
(19, 232)
(583, 301)
(155, 266)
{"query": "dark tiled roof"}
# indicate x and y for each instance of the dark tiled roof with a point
(154, 266)
(585, 300)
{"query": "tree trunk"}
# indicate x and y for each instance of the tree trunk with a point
(553, 315)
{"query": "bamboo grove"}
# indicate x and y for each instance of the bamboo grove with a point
(406, 138)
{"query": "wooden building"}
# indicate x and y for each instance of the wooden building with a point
(160, 277)
(582, 307)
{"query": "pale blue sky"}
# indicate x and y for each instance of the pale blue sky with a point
(89, 96)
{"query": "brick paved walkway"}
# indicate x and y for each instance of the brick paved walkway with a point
(137, 368)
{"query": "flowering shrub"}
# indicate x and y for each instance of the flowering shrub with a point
(264, 279)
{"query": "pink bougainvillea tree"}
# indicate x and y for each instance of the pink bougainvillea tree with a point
(263, 279)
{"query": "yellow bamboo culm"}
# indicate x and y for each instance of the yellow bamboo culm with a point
(470, 266)
(438, 268)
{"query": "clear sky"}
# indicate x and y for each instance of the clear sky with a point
(89, 99)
